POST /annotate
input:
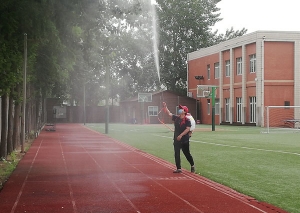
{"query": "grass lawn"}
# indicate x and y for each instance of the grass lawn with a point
(264, 166)
(8, 165)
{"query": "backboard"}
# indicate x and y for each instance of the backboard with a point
(60, 111)
(145, 97)
(205, 91)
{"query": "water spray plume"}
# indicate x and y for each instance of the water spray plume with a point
(155, 37)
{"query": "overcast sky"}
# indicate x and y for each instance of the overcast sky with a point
(254, 15)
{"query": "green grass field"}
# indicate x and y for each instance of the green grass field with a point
(264, 166)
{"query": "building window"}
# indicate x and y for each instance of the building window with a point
(239, 64)
(217, 70)
(152, 110)
(227, 109)
(217, 106)
(227, 68)
(208, 72)
(287, 103)
(252, 63)
(253, 109)
(208, 106)
(238, 109)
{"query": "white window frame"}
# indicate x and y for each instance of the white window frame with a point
(227, 68)
(217, 106)
(208, 72)
(252, 107)
(176, 110)
(208, 106)
(239, 66)
(252, 63)
(239, 107)
(227, 109)
(217, 70)
(152, 110)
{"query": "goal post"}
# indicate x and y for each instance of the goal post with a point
(282, 119)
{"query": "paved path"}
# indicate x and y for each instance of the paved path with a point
(75, 169)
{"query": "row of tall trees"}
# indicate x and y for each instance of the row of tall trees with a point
(96, 45)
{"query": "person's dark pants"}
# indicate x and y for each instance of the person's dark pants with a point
(186, 151)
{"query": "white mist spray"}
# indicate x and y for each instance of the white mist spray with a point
(155, 37)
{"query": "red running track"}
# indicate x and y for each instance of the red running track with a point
(75, 169)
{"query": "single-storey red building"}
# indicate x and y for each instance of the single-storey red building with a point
(134, 110)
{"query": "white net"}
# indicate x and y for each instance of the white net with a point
(205, 91)
(144, 97)
(282, 119)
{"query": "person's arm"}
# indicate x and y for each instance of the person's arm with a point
(167, 110)
(186, 131)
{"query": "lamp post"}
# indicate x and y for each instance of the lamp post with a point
(199, 77)
(213, 125)
(107, 98)
(84, 110)
(24, 94)
(84, 104)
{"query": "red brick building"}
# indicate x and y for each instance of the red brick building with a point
(132, 110)
(252, 71)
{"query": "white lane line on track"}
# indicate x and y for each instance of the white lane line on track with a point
(159, 161)
(68, 178)
(168, 190)
(169, 165)
(113, 183)
(241, 147)
(26, 178)
(233, 194)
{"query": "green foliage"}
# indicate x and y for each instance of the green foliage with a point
(184, 27)
(72, 42)
(77, 31)
(229, 34)
(7, 166)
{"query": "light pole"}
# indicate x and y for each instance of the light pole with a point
(84, 110)
(107, 98)
(213, 92)
(84, 103)
(199, 77)
(24, 94)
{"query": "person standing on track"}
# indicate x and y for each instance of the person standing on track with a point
(181, 136)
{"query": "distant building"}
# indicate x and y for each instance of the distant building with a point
(252, 71)
(145, 111)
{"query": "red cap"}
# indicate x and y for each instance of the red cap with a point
(184, 108)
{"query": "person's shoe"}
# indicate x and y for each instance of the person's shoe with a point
(192, 169)
(177, 171)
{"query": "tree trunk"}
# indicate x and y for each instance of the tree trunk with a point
(10, 124)
(17, 121)
(17, 126)
(39, 114)
(4, 124)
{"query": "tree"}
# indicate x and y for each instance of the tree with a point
(46, 67)
(185, 26)
(229, 34)
(115, 39)
(74, 44)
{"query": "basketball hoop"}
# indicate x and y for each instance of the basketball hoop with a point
(205, 91)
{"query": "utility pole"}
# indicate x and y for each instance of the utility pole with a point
(84, 113)
(24, 95)
(107, 98)
(213, 96)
